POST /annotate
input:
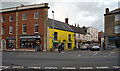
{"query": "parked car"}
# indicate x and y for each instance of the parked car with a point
(94, 47)
(85, 46)
(112, 46)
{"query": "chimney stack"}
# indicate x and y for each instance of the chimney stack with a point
(66, 20)
(22, 5)
(107, 10)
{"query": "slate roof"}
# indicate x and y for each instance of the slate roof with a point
(113, 11)
(59, 25)
(78, 30)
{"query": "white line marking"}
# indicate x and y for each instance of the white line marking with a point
(116, 66)
(34, 67)
(18, 67)
(68, 68)
(95, 54)
(86, 67)
(5, 67)
(50, 67)
(112, 52)
(102, 67)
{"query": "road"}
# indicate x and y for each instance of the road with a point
(77, 59)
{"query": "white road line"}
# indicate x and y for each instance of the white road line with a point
(102, 67)
(50, 67)
(18, 67)
(95, 54)
(4, 67)
(86, 67)
(68, 68)
(112, 52)
(34, 67)
(116, 66)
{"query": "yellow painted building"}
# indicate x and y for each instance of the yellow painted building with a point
(66, 38)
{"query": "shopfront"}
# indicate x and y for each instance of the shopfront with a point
(114, 41)
(30, 41)
(10, 42)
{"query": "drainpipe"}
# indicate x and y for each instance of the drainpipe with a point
(16, 27)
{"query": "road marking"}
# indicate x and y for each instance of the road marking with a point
(95, 54)
(78, 55)
(34, 67)
(68, 68)
(112, 52)
(116, 66)
(50, 67)
(18, 67)
(102, 67)
(4, 67)
(86, 67)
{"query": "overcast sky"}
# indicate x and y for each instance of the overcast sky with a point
(89, 13)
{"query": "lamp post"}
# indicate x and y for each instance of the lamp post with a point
(53, 30)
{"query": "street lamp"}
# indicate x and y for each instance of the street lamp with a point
(53, 30)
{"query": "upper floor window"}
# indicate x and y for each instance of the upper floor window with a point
(55, 35)
(3, 30)
(24, 29)
(36, 26)
(69, 36)
(117, 17)
(36, 15)
(11, 30)
(117, 30)
(24, 16)
(2, 19)
(11, 18)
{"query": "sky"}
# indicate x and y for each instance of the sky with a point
(89, 13)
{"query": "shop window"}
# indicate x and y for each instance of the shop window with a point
(117, 30)
(11, 30)
(24, 28)
(11, 43)
(36, 15)
(55, 35)
(24, 16)
(36, 27)
(69, 45)
(11, 18)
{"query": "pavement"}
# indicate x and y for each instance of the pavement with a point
(76, 59)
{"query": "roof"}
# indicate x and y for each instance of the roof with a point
(43, 5)
(60, 25)
(113, 11)
(78, 30)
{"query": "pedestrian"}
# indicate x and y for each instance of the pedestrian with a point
(59, 47)
(103, 46)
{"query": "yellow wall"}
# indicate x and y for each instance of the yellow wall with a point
(62, 35)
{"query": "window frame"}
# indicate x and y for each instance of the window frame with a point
(118, 32)
(24, 16)
(117, 17)
(23, 29)
(36, 15)
(11, 17)
(35, 28)
(10, 32)
(2, 18)
(3, 31)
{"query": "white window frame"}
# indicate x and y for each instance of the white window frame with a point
(11, 16)
(117, 17)
(34, 28)
(117, 29)
(10, 30)
(2, 19)
(24, 16)
(35, 15)
(23, 30)
(3, 30)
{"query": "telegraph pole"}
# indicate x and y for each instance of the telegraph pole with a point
(16, 27)
(53, 30)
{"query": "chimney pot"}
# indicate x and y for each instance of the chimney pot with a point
(66, 20)
(107, 10)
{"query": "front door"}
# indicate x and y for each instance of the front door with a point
(63, 46)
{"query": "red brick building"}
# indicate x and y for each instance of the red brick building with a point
(24, 27)
(100, 37)
(0, 33)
